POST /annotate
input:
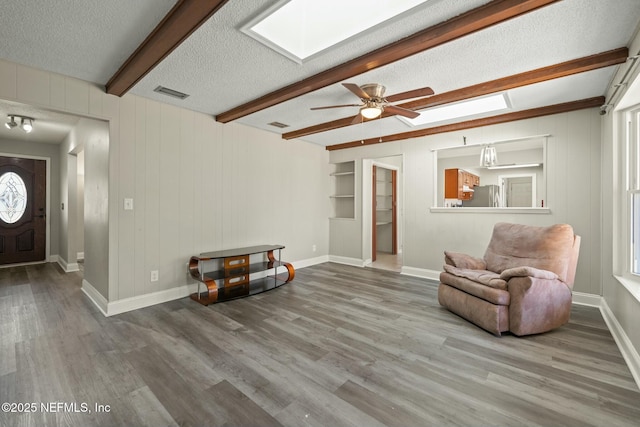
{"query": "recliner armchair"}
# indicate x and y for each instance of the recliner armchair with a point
(522, 284)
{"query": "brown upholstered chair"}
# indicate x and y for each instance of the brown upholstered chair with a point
(522, 284)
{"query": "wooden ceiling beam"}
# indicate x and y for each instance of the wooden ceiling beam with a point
(575, 66)
(486, 121)
(182, 20)
(475, 20)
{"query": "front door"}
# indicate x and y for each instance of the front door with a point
(22, 210)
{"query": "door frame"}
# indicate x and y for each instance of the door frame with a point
(47, 245)
(374, 213)
(367, 173)
(503, 190)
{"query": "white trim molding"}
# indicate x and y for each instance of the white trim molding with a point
(420, 272)
(96, 297)
(310, 261)
(67, 267)
(625, 345)
(346, 260)
(591, 300)
(147, 300)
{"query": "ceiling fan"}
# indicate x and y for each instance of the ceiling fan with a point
(374, 102)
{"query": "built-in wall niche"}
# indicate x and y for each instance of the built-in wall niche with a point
(343, 190)
(517, 179)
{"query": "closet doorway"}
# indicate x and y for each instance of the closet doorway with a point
(384, 218)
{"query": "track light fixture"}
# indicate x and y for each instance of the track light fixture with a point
(26, 123)
(11, 124)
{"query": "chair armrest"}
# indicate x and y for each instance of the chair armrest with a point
(537, 305)
(527, 272)
(464, 261)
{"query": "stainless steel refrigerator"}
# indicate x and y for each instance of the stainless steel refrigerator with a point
(484, 196)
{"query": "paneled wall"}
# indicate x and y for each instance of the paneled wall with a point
(573, 192)
(197, 185)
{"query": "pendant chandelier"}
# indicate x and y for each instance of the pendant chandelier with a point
(488, 156)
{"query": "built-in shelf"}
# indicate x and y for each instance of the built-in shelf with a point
(343, 187)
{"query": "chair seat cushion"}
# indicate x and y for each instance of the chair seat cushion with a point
(479, 290)
(486, 277)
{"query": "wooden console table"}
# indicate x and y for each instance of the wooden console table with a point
(232, 278)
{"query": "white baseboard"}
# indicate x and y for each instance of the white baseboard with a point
(420, 272)
(68, 267)
(625, 345)
(345, 260)
(146, 300)
(80, 256)
(581, 298)
(95, 297)
(310, 261)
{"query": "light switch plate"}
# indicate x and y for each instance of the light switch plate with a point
(128, 204)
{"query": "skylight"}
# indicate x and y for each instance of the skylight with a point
(464, 109)
(300, 29)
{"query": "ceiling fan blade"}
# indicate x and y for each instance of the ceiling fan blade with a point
(336, 106)
(357, 119)
(401, 111)
(416, 93)
(355, 89)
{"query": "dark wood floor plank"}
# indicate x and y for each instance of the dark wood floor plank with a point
(338, 346)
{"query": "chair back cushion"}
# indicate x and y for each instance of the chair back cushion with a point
(546, 248)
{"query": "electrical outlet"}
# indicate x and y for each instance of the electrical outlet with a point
(313, 248)
(154, 275)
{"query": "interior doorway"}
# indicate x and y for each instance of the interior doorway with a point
(23, 210)
(518, 190)
(383, 213)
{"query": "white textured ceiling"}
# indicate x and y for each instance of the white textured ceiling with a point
(221, 68)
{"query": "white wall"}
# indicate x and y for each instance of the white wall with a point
(91, 137)
(197, 185)
(573, 192)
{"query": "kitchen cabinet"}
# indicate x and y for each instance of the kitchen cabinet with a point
(459, 183)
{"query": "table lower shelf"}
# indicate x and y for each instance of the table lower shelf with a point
(226, 293)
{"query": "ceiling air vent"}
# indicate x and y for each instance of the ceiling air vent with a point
(170, 92)
(278, 125)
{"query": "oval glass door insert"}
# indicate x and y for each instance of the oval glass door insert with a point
(13, 197)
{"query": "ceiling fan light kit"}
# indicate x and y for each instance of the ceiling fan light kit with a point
(374, 103)
(26, 123)
(370, 112)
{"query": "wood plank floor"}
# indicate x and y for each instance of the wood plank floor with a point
(339, 346)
